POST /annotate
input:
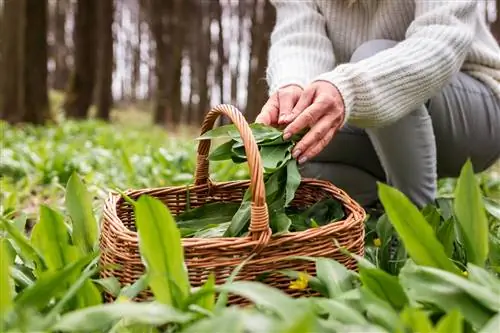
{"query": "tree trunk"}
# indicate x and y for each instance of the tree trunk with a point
(81, 85)
(236, 69)
(158, 18)
(12, 97)
(35, 63)
(60, 50)
(177, 32)
(263, 20)
(495, 26)
(105, 59)
(205, 46)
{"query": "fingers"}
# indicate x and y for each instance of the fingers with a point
(269, 113)
(317, 146)
(306, 98)
(306, 119)
(287, 98)
(319, 136)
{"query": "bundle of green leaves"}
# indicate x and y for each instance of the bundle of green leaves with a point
(281, 178)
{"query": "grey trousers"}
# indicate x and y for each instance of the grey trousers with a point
(461, 121)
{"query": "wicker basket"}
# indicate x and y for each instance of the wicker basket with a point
(119, 241)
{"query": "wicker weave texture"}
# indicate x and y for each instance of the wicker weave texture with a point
(119, 240)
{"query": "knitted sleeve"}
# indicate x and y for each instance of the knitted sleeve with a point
(300, 49)
(387, 86)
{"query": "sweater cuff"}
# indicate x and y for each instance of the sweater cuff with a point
(345, 86)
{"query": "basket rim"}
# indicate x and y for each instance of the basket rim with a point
(355, 216)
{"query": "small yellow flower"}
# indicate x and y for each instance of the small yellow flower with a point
(465, 273)
(300, 283)
(377, 242)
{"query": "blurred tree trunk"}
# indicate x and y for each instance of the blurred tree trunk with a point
(35, 62)
(79, 94)
(105, 58)
(263, 20)
(136, 54)
(24, 94)
(177, 30)
(204, 45)
(158, 18)
(13, 27)
(236, 69)
(60, 49)
(495, 26)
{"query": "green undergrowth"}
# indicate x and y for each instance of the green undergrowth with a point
(430, 270)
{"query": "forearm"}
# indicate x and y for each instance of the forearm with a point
(300, 49)
(391, 84)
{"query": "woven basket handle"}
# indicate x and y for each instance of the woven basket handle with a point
(259, 220)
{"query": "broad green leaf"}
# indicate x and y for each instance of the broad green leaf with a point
(207, 214)
(339, 311)
(447, 291)
(306, 322)
(222, 298)
(416, 320)
(492, 325)
(280, 223)
(207, 301)
(265, 296)
(451, 322)
(312, 281)
(79, 205)
(88, 295)
(417, 235)
(274, 156)
(233, 320)
(109, 284)
(379, 312)
(293, 179)
(161, 247)
(212, 231)
(432, 216)
(50, 237)
(20, 277)
(483, 277)
(50, 283)
(26, 251)
(334, 276)
(74, 290)
(471, 216)
(6, 285)
(446, 236)
(102, 316)
(222, 152)
(384, 285)
(132, 290)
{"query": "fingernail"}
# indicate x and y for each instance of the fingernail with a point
(302, 160)
(296, 153)
(286, 135)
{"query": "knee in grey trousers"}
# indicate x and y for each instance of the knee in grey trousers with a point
(461, 121)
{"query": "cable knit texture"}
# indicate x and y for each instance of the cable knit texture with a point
(315, 39)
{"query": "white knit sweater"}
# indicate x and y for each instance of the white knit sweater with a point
(314, 39)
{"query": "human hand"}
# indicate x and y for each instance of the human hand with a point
(321, 108)
(278, 105)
